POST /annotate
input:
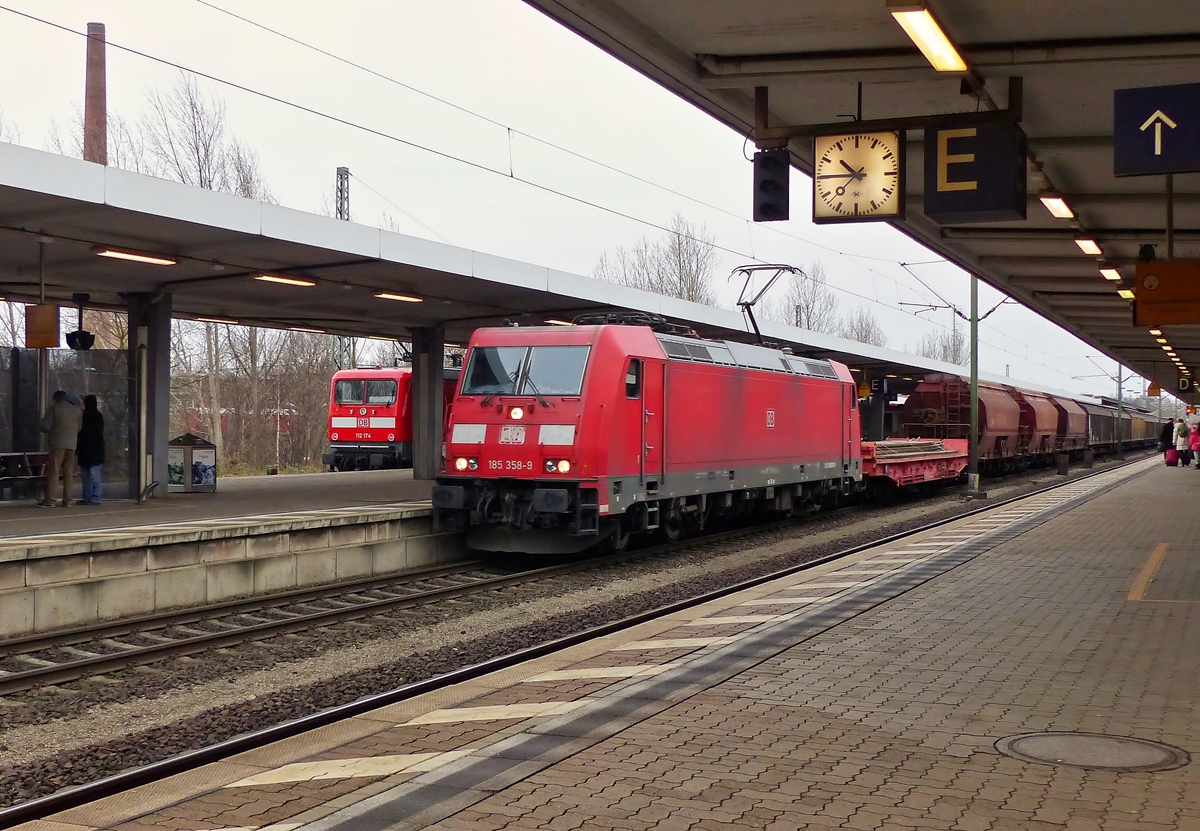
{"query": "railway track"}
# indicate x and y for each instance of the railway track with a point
(59, 657)
(71, 655)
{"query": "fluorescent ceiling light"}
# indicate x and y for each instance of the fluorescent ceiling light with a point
(226, 320)
(556, 322)
(1166, 349)
(1126, 293)
(1111, 274)
(1056, 205)
(287, 281)
(1088, 246)
(309, 331)
(920, 25)
(1161, 340)
(1156, 332)
(152, 259)
(403, 298)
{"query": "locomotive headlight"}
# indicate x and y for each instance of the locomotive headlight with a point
(564, 466)
(551, 465)
(460, 463)
(473, 464)
(516, 413)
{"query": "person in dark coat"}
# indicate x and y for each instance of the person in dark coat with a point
(1166, 439)
(90, 449)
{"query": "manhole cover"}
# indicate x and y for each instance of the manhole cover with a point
(1093, 750)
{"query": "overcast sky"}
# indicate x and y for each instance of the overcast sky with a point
(508, 63)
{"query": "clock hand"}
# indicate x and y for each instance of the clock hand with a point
(838, 176)
(857, 174)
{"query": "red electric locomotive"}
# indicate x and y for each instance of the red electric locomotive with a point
(561, 437)
(370, 417)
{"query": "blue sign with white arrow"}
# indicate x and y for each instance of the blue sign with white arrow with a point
(1156, 130)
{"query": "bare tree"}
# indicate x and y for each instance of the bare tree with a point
(242, 174)
(70, 144)
(12, 324)
(687, 262)
(680, 265)
(185, 134)
(861, 325)
(212, 408)
(808, 302)
(9, 131)
(947, 345)
(636, 268)
(126, 145)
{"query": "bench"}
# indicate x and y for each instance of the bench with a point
(22, 474)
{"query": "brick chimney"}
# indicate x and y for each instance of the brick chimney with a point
(95, 104)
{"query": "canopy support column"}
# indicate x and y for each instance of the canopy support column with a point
(428, 359)
(149, 393)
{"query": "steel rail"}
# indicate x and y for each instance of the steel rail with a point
(14, 682)
(46, 806)
(136, 625)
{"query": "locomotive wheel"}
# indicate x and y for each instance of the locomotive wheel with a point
(671, 530)
(619, 540)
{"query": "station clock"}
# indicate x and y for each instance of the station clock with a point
(858, 177)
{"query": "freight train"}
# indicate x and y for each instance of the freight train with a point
(560, 438)
(370, 417)
(1019, 428)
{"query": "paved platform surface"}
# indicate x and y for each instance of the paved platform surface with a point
(868, 694)
(237, 496)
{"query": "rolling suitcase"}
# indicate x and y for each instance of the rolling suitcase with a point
(1172, 457)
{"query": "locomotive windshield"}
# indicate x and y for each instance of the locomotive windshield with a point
(523, 370)
(379, 391)
(348, 391)
(555, 370)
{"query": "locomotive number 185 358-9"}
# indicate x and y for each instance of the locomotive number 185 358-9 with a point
(509, 464)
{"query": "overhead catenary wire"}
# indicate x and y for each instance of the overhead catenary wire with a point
(359, 179)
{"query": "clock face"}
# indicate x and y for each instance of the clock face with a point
(857, 177)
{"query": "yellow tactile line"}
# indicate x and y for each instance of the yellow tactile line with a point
(1148, 571)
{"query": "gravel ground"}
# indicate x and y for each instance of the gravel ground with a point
(61, 736)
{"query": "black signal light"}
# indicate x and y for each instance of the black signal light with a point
(772, 179)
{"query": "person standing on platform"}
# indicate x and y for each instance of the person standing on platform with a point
(1182, 441)
(1194, 444)
(61, 422)
(1166, 439)
(91, 450)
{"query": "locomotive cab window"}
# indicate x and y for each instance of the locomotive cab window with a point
(633, 379)
(349, 391)
(381, 391)
(555, 370)
(494, 370)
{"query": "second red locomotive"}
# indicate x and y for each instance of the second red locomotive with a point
(370, 417)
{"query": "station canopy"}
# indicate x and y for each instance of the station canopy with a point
(73, 212)
(1070, 56)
